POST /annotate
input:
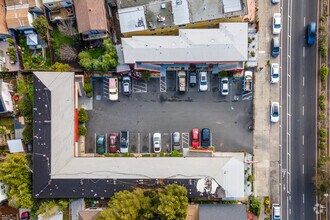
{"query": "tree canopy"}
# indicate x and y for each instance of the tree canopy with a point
(107, 60)
(40, 24)
(61, 67)
(168, 203)
(15, 173)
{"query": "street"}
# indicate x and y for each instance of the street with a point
(298, 116)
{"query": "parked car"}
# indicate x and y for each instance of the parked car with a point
(193, 79)
(127, 85)
(206, 137)
(113, 89)
(124, 141)
(311, 33)
(156, 139)
(176, 141)
(182, 81)
(100, 144)
(224, 86)
(113, 139)
(275, 112)
(277, 23)
(203, 81)
(275, 1)
(275, 73)
(275, 47)
(276, 212)
(195, 137)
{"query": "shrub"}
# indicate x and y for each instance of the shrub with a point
(322, 102)
(88, 87)
(162, 154)
(128, 155)
(11, 42)
(175, 153)
(82, 115)
(40, 24)
(254, 205)
(27, 133)
(145, 75)
(322, 145)
(324, 73)
(250, 178)
(61, 67)
(322, 116)
(323, 133)
(250, 40)
(82, 130)
(253, 53)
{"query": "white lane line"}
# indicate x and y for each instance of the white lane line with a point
(303, 81)
(303, 169)
(303, 198)
(303, 139)
(303, 110)
(303, 51)
(304, 21)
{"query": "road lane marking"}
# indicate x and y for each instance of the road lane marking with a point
(303, 81)
(303, 198)
(303, 139)
(303, 169)
(303, 51)
(303, 110)
(304, 21)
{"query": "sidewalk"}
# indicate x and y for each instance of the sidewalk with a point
(265, 136)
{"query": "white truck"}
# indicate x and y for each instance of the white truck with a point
(182, 81)
(248, 81)
(113, 89)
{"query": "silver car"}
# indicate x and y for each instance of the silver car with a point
(176, 141)
(224, 86)
(157, 142)
(203, 81)
(126, 85)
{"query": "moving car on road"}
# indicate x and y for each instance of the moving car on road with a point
(276, 212)
(113, 142)
(100, 144)
(176, 141)
(275, 112)
(203, 81)
(277, 23)
(206, 137)
(275, 73)
(195, 137)
(311, 33)
(224, 86)
(156, 139)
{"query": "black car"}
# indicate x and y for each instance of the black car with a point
(192, 79)
(206, 137)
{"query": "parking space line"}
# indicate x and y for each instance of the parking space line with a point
(139, 86)
(211, 139)
(94, 143)
(162, 83)
(171, 142)
(106, 142)
(185, 139)
(149, 143)
(139, 145)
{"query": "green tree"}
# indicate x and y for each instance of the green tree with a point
(28, 133)
(11, 42)
(173, 203)
(15, 173)
(40, 24)
(254, 205)
(324, 73)
(128, 205)
(82, 130)
(61, 67)
(50, 207)
(82, 115)
(25, 106)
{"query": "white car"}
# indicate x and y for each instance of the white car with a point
(276, 212)
(275, 73)
(277, 23)
(224, 86)
(275, 1)
(203, 81)
(275, 112)
(157, 142)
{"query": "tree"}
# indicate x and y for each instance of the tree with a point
(27, 133)
(324, 73)
(11, 42)
(40, 24)
(173, 203)
(61, 67)
(82, 130)
(50, 207)
(15, 173)
(25, 105)
(82, 115)
(254, 205)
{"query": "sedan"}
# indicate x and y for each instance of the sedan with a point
(100, 144)
(195, 137)
(113, 137)
(206, 137)
(176, 141)
(275, 73)
(203, 81)
(311, 33)
(275, 112)
(277, 23)
(224, 86)
(276, 212)
(157, 142)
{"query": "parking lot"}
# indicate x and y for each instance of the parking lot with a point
(156, 106)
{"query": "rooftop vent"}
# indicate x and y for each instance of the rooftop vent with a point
(140, 23)
(179, 2)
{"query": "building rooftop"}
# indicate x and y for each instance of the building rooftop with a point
(228, 43)
(222, 211)
(18, 17)
(91, 15)
(3, 24)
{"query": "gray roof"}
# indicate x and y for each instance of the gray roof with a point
(227, 43)
(222, 212)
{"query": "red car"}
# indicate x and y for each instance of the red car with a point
(113, 137)
(195, 137)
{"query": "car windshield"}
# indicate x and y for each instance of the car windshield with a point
(225, 90)
(276, 49)
(277, 25)
(225, 81)
(275, 111)
(275, 75)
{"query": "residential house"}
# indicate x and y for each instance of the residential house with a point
(21, 13)
(6, 102)
(59, 10)
(3, 25)
(92, 19)
(222, 211)
(158, 17)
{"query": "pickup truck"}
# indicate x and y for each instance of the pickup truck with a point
(124, 141)
(248, 81)
(182, 81)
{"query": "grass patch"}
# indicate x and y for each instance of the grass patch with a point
(60, 39)
(7, 122)
(96, 52)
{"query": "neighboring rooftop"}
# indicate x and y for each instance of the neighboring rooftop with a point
(222, 212)
(91, 15)
(227, 43)
(3, 24)
(19, 17)
(160, 13)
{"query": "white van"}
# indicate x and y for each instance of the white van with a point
(113, 89)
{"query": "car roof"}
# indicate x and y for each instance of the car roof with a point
(312, 26)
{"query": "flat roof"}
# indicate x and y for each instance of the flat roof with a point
(132, 19)
(227, 43)
(57, 173)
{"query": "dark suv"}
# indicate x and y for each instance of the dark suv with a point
(206, 137)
